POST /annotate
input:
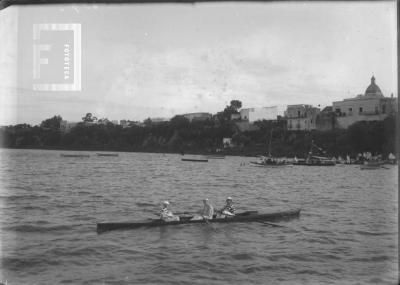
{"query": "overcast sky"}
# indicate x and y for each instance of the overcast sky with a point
(159, 60)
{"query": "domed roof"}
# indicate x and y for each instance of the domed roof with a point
(373, 89)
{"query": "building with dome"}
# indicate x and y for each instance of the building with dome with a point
(370, 106)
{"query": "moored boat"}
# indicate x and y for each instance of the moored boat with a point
(314, 160)
(107, 154)
(249, 216)
(371, 165)
(271, 162)
(215, 156)
(75, 155)
(299, 161)
(194, 159)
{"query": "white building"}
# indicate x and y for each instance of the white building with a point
(301, 117)
(258, 114)
(201, 116)
(158, 120)
(371, 106)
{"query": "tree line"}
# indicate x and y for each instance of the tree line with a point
(179, 135)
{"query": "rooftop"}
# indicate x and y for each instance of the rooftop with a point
(373, 89)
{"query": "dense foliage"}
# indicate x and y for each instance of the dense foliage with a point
(180, 135)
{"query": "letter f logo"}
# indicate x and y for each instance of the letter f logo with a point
(37, 49)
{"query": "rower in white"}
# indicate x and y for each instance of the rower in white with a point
(207, 212)
(166, 215)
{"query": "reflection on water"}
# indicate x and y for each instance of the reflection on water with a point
(347, 231)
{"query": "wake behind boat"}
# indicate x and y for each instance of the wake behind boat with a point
(248, 216)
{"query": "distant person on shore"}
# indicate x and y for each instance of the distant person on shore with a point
(165, 214)
(228, 210)
(207, 213)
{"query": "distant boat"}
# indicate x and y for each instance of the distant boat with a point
(269, 160)
(314, 160)
(340, 160)
(369, 165)
(107, 154)
(299, 161)
(276, 164)
(358, 161)
(194, 159)
(215, 156)
(391, 159)
(75, 155)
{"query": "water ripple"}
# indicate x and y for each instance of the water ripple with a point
(346, 234)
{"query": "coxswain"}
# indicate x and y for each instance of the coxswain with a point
(165, 214)
(228, 209)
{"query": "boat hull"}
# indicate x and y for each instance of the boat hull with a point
(250, 216)
(215, 156)
(270, 164)
(194, 160)
(75, 155)
(370, 166)
(107, 154)
(325, 163)
(314, 160)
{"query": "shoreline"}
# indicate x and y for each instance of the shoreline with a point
(231, 152)
(377, 138)
(205, 153)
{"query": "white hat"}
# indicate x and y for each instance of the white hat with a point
(229, 198)
(165, 203)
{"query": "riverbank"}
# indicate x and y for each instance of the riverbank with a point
(209, 137)
(231, 152)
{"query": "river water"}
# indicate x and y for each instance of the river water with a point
(346, 234)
